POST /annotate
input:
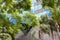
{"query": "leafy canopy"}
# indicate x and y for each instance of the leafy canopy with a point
(14, 8)
(14, 5)
(54, 6)
(51, 3)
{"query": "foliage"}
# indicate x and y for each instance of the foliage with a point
(47, 23)
(13, 7)
(54, 7)
(44, 19)
(29, 21)
(4, 21)
(51, 3)
(56, 15)
(44, 26)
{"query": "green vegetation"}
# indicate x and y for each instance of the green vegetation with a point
(12, 7)
(16, 7)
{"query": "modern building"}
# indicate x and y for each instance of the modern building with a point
(38, 9)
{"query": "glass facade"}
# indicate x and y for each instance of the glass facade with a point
(37, 8)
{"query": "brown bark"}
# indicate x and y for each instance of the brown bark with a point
(40, 34)
(52, 34)
(57, 27)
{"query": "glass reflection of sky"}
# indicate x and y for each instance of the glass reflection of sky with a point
(37, 7)
(34, 8)
(33, 1)
(45, 12)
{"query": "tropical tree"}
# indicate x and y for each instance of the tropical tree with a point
(29, 21)
(13, 7)
(54, 5)
(55, 15)
(48, 25)
(51, 3)
(15, 22)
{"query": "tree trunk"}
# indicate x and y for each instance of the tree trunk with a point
(51, 35)
(58, 33)
(57, 27)
(40, 34)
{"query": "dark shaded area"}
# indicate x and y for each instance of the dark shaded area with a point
(25, 28)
